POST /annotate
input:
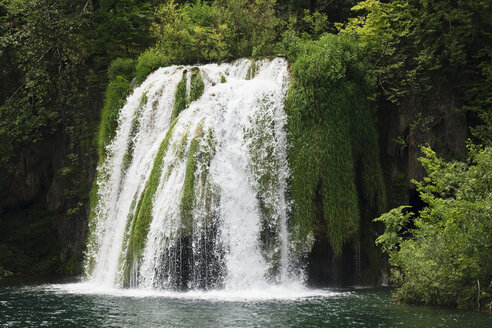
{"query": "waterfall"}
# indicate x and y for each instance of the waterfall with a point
(192, 193)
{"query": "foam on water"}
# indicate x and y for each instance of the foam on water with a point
(271, 293)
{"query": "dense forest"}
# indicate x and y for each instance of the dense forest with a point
(423, 67)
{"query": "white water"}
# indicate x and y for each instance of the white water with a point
(245, 122)
(273, 292)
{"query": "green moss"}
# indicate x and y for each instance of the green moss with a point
(91, 242)
(207, 153)
(265, 167)
(128, 157)
(196, 84)
(143, 212)
(188, 198)
(251, 71)
(126, 235)
(180, 148)
(333, 155)
(222, 78)
(180, 97)
(143, 100)
(115, 97)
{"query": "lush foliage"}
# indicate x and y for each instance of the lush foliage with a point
(196, 84)
(44, 92)
(334, 142)
(149, 61)
(58, 56)
(214, 31)
(446, 258)
(416, 46)
(53, 61)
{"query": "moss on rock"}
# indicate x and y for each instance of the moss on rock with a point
(143, 212)
(196, 84)
(188, 198)
(180, 97)
(115, 97)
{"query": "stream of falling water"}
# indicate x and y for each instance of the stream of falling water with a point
(218, 216)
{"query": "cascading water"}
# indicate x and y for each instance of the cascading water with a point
(192, 193)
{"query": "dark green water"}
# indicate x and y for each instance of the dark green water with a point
(44, 305)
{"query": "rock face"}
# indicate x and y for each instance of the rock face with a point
(44, 208)
(44, 204)
(435, 121)
(402, 128)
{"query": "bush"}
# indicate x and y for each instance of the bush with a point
(149, 61)
(212, 32)
(447, 258)
(124, 67)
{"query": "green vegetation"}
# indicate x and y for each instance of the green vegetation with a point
(196, 84)
(265, 167)
(143, 213)
(251, 71)
(446, 259)
(188, 198)
(116, 94)
(54, 55)
(180, 102)
(91, 242)
(147, 62)
(333, 140)
(128, 157)
(124, 67)
(57, 58)
(215, 31)
(4, 273)
(415, 47)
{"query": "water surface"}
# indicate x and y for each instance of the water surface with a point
(73, 305)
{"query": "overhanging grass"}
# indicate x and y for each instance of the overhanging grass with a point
(333, 141)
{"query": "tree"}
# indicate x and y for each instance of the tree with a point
(446, 258)
(415, 46)
(225, 29)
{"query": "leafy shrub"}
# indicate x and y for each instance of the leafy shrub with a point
(124, 67)
(226, 29)
(149, 61)
(447, 257)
